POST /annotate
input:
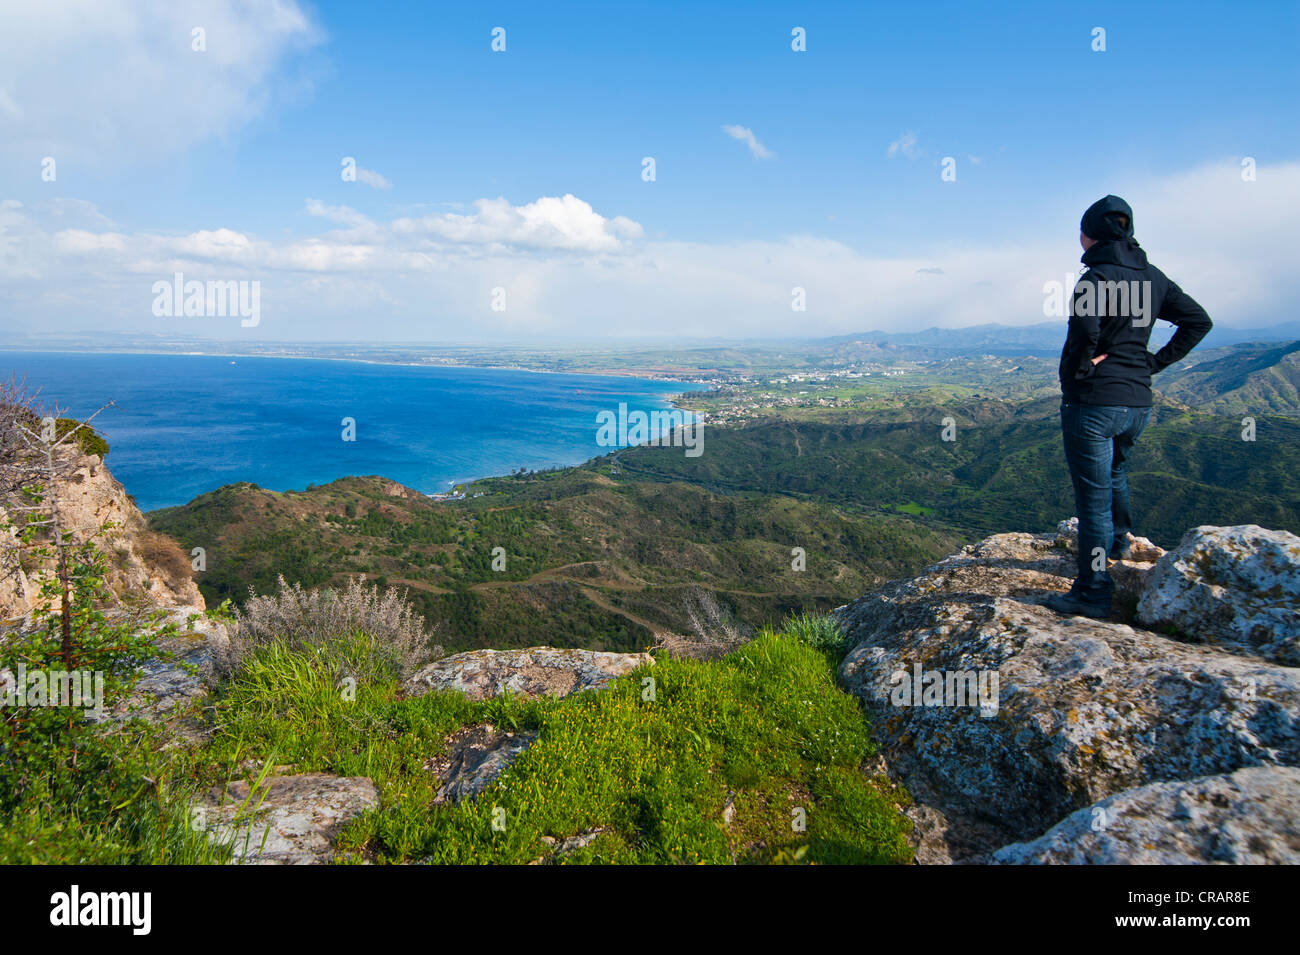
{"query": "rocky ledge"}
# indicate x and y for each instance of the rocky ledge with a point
(1012, 724)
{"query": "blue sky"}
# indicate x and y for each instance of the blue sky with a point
(1038, 123)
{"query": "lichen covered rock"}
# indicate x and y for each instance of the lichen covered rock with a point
(1080, 709)
(1236, 587)
(535, 672)
(475, 757)
(287, 820)
(1249, 817)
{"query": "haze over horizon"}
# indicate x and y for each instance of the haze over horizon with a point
(523, 169)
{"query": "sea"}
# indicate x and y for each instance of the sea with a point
(182, 425)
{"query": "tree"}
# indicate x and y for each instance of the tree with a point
(38, 452)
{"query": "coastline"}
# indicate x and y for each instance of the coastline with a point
(644, 374)
(676, 401)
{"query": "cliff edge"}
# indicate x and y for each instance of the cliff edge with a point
(1165, 734)
(142, 563)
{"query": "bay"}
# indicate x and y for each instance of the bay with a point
(182, 425)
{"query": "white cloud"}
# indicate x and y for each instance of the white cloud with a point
(116, 81)
(81, 242)
(566, 223)
(904, 145)
(746, 136)
(372, 179)
(342, 214)
(569, 269)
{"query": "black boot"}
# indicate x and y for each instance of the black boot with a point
(1081, 601)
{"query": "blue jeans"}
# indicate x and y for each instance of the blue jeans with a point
(1098, 442)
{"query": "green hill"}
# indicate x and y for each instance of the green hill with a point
(1004, 469)
(1251, 379)
(607, 554)
(589, 561)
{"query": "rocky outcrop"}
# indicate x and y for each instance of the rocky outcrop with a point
(167, 684)
(1249, 817)
(1003, 717)
(142, 564)
(180, 676)
(286, 820)
(535, 672)
(1234, 587)
(393, 489)
(475, 756)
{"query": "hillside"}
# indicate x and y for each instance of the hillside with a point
(1003, 470)
(607, 554)
(327, 727)
(589, 560)
(1048, 738)
(1250, 379)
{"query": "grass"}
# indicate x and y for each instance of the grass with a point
(652, 760)
(113, 808)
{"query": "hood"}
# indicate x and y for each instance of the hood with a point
(1099, 220)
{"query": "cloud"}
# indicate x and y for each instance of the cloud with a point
(372, 179)
(904, 145)
(565, 222)
(569, 269)
(117, 81)
(746, 136)
(341, 214)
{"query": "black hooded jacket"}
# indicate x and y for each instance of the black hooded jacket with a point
(1112, 313)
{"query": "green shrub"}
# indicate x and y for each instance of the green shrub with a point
(73, 787)
(822, 632)
(87, 439)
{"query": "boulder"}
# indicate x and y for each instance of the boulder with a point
(287, 820)
(1235, 587)
(167, 687)
(535, 672)
(1248, 817)
(167, 684)
(1075, 709)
